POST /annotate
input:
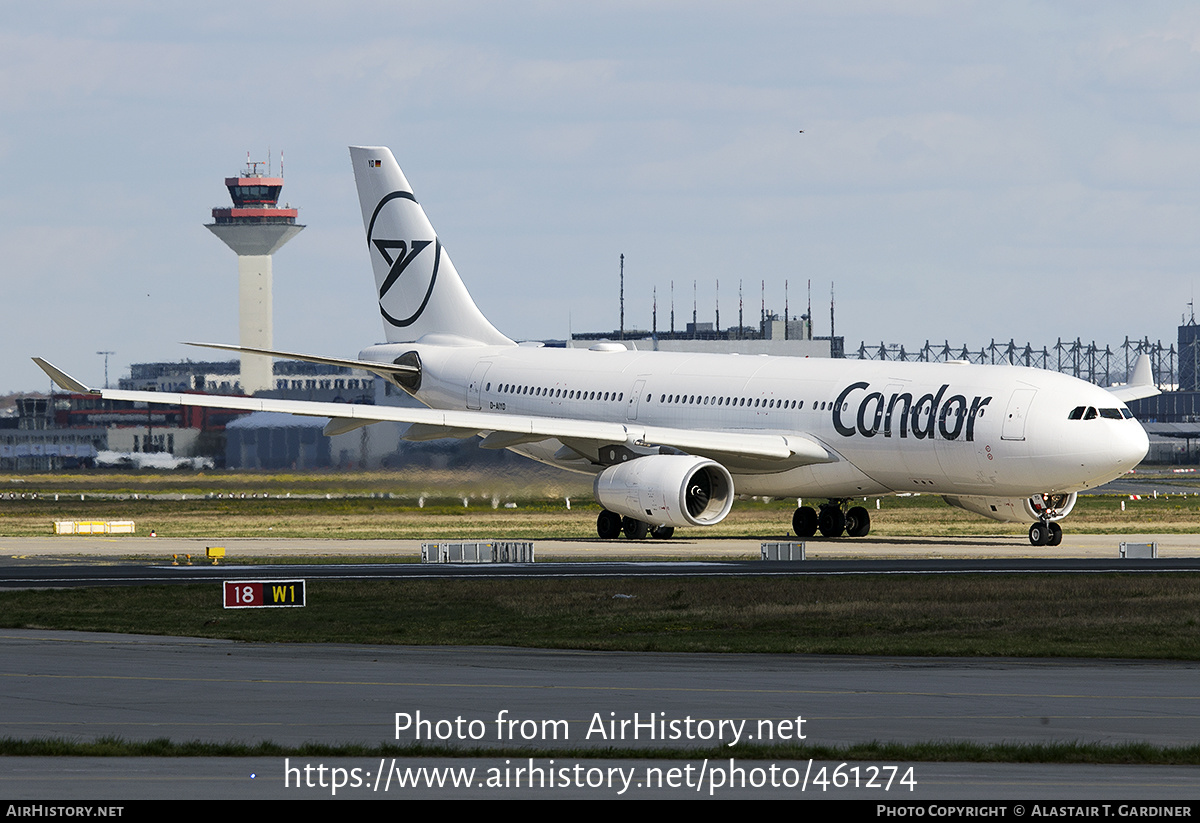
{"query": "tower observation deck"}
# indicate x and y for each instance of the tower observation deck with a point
(255, 228)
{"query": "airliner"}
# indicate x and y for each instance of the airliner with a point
(671, 438)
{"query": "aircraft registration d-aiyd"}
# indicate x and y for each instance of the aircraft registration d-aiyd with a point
(672, 437)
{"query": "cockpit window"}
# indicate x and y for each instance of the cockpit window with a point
(1091, 413)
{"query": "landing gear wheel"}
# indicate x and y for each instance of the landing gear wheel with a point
(858, 522)
(662, 532)
(804, 521)
(634, 529)
(1039, 534)
(1055, 535)
(608, 525)
(831, 522)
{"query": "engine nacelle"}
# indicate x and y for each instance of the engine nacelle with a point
(667, 490)
(1018, 509)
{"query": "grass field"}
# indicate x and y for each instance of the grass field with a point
(1109, 615)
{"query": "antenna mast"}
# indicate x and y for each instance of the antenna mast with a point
(106, 354)
(622, 297)
(718, 301)
(832, 333)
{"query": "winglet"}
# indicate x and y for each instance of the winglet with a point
(62, 379)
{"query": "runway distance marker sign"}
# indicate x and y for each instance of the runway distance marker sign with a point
(264, 594)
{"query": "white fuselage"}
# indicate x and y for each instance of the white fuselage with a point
(952, 428)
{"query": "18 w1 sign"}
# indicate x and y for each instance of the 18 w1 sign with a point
(264, 594)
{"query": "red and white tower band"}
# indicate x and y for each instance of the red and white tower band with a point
(255, 228)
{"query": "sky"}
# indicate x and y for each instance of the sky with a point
(956, 171)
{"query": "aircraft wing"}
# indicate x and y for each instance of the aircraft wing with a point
(750, 449)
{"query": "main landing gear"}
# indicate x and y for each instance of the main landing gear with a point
(833, 520)
(610, 526)
(1045, 533)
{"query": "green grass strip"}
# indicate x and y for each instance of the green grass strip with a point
(930, 751)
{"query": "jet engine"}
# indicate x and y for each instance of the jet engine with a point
(667, 490)
(1048, 507)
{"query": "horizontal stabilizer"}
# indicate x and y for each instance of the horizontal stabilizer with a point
(381, 369)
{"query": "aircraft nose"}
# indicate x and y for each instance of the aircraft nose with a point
(1103, 449)
(1130, 446)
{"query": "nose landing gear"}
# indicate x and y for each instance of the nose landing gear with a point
(1048, 507)
(1045, 533)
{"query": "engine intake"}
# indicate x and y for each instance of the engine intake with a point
(667, 490)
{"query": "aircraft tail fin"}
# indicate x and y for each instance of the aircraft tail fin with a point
(1141, 382)
(420, 293)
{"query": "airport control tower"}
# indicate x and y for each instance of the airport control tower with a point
(255, 228)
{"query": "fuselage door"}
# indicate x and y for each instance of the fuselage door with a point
(635, 397)
(1018, 410)
(475, 384)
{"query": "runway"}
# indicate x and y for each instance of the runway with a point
(49, 562)
(1074, 545)
(25, 575)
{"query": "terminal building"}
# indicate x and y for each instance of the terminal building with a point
(33, 440)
